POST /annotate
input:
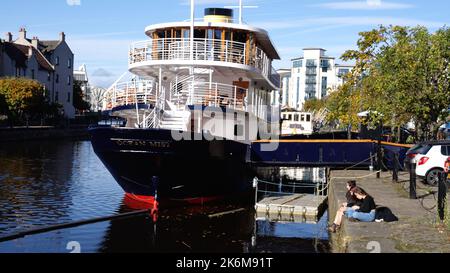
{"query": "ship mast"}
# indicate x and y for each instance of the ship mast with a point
(192, 29)
(240, 12)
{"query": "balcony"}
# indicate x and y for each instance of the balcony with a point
(311, 63)
(311, 80)
(311, 71)
(175, 49)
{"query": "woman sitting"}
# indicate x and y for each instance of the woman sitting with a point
(364, 212)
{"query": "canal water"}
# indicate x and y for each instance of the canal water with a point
(55, 182)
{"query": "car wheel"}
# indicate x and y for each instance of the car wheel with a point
(432, 177)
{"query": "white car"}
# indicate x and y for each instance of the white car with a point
(431, 163)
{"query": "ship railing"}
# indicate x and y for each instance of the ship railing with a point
(168, 49)
(151, 120)
(179, 49)
(211, 94)
(263, 63)
(131, 92)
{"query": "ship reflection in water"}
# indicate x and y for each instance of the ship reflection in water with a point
(43, 184)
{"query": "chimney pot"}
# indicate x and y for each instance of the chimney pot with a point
(35, 42)
(62, 36)
(22, 33)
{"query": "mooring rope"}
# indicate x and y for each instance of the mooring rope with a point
(359, 163)
(71, 225)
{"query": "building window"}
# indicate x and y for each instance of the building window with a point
(69, 80)
(68, 97)
(343, 72)
(57, 61)
(296, 117)
(57, 78)
(325, 64)
(48, 76)
(56, 96)
(69, 63)
(324, 86)
(311, 63)
(298, 64)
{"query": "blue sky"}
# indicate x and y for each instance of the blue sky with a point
(100, 31)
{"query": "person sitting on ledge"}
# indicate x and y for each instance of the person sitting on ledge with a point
(365, 212)
(347, 206)
(351, 199)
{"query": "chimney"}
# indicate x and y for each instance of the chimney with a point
(30, 51)
(35, 42)
(22, 33)
(9, 37)
(62, 37)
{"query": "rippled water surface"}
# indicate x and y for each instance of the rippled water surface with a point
(55, 182)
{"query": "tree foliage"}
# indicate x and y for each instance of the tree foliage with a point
(20, 96)
(314, 105)
(402, 73)
(78, 98)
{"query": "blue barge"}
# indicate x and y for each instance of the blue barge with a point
(324, 153)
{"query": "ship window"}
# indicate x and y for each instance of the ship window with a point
(218, 34)
(210, 34)
(290, 117)
(186, 34)
(238, 130)
(200, 34)
(161, 34)
(295, 117)
(303, 118)
(308, 118)
(177, 33)
(240, 36)
(227, 35)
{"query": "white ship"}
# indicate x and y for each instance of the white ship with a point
(198, 96)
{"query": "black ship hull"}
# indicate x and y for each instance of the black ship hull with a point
(149, 162)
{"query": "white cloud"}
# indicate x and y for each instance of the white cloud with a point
(73, 2)
(323, 22)
(364, 5)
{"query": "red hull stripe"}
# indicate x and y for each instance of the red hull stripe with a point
(148, 202)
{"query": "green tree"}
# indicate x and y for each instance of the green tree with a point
(401, 73)
(21, 98)
(314, 105)
(78, 99)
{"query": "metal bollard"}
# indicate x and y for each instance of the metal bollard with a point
(412, 180)
(396, 168)
(442, 195)
(255, 186)
(379, 159)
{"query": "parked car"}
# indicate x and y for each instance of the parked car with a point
(421, 148)
(431, 160)
(447, 169)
